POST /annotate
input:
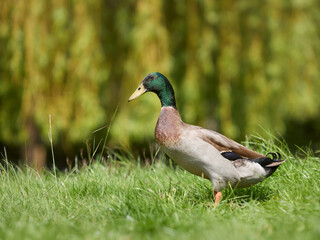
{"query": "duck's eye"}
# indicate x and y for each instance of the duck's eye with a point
(139, 88)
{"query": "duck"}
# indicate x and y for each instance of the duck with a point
(202, 152)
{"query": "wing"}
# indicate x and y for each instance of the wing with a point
(228, 148)
(236, 152)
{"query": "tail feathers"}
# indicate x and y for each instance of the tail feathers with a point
(276, 163)
(251, 173)
(267, 162)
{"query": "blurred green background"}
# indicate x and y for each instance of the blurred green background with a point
(238, 67)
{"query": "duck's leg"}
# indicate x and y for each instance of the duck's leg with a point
(217, 196)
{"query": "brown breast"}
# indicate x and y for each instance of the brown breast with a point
(169, 127)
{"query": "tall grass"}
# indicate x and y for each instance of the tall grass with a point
(119, 199)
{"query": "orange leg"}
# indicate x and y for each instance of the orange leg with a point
(217, 196)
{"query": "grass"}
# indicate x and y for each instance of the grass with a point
(123, 200)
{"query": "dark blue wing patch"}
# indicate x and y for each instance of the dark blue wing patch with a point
(230, 156)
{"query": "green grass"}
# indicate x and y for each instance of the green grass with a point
(122, 200)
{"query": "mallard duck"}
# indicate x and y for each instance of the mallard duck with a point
(203, 152)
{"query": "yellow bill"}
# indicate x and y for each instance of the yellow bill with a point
(140, 90)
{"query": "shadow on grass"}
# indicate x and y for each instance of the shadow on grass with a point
(201, 193)
(244, 195)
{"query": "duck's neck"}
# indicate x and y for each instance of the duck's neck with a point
(167, 97)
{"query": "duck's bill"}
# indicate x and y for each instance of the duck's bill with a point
(140, 90)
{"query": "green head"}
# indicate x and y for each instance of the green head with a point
(160, 85)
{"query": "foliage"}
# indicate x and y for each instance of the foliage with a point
(235, 66)
(45, 43)
(119, 199)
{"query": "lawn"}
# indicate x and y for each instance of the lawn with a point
(119, 199)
